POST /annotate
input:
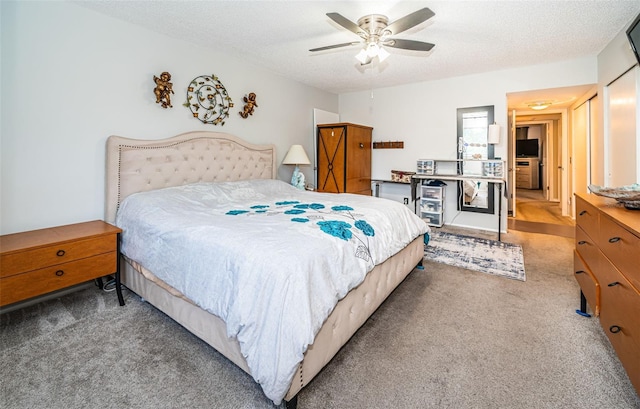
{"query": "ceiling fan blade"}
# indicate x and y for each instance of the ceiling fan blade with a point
(410, 20)
(346, 23)
(329, 47)
(409, 45)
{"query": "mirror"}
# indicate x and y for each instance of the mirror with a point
(473, 131)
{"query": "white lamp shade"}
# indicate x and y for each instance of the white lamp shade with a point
(382, 54)
(494, 134)
(362, 56)
(296, 156)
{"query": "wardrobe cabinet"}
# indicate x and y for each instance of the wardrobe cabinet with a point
(606, 260)
(344, 158)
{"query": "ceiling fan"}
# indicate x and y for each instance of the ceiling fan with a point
(375, 32)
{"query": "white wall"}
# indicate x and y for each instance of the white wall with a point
(423, 115)
(71, 77)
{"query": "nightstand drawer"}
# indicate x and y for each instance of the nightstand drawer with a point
(20, 262)
(30, 284)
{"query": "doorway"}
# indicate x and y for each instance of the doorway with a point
(540, 166)
(538, 162)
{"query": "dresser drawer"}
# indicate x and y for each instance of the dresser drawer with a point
(588, 283)
(26, 285)
(588, 250)
(622, 248)
(619, 319)
(32, 259)
(587, 217)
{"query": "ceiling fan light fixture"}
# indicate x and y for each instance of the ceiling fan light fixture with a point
(372, 50)
(382, 54)
(374, 29)
(362, 56)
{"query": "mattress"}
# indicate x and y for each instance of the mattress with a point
(319, 247)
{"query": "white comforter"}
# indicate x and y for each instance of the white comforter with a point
(270, 260)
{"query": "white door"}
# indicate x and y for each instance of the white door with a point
(511, 173)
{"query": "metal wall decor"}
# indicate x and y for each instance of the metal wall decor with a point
(250, 104)
(163, 89)
(208, 100)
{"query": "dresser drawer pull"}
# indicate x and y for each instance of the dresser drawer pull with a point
(60, 253)
(614, 239)
(580, 272)
(615, 329)
(615, 283)
(582, 212)
(59, 273)
(581, 242)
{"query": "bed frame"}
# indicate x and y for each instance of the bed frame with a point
(141, 165)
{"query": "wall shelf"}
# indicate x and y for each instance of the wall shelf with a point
(388, 145)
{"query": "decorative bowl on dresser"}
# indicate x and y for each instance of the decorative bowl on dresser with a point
(38, 262)
(607, 267)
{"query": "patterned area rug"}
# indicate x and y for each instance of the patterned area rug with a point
(483, 255)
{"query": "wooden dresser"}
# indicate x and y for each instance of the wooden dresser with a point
(527, 173)
(607, 267)
(344, 158)
(41, 261)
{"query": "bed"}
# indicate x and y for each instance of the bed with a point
(206, 166)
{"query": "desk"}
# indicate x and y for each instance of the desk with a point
(415, 179)
(379, 182)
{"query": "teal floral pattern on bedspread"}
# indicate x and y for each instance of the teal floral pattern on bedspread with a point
(341, 221)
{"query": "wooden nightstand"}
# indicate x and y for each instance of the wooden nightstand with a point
(37, 262)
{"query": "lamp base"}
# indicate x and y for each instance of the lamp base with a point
(297, 179)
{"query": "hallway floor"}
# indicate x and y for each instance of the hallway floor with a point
(534, 214)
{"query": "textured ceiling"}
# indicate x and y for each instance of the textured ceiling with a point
(470, 36)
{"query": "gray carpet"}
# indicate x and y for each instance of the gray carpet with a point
(446, 338)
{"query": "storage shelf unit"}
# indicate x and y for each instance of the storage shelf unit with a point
(489, 168)
(432, 204)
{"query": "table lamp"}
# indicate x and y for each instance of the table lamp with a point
(297, 156)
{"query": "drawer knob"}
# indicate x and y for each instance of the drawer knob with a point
(59, 273)
(615, 329)
(362, 145)
(580, 272)
(582, 242)
(60, 253)
(615, 283)
(614, 239)
(582, 212)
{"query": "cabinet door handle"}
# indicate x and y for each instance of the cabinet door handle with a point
(614, 239)
(615, 329)
(582, 212)
(362, 145)
(580, 272)
(59, 273)
(615, 283)
(60, 253)
(581, 242)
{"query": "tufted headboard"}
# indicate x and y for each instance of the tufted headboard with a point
(135, 165)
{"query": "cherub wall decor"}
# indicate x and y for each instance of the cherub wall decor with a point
(163, 89)
(250, 104)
